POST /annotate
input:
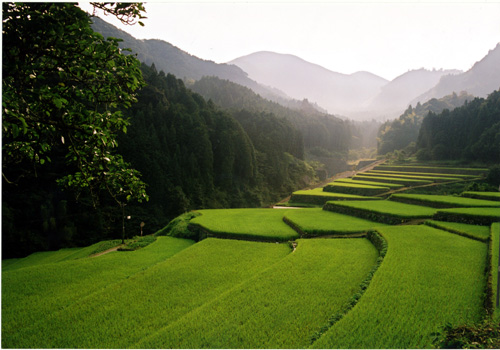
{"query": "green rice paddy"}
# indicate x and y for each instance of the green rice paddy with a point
(319, 197)
(477, 216)
(417, 176)
(428, 277)
(32, 294)
(279, 308)
(318, 222)
(381, 211)
(495, 247)
(371, 183)
(123, 313)
(312, 290)
(260, 224)
(433, 169)
(478, 232)
(440, 201)
(354, 188)
(492, 196)
(392, 179)
(420, 173)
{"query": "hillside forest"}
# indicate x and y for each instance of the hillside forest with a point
(209, 143)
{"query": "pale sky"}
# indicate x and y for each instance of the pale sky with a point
(386, 38)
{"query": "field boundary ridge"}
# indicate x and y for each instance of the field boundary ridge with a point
(380, 243)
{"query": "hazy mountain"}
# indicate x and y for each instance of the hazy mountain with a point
(395, 96)
(171, 59)
(482, 79)
(280, 77)
(338, 93)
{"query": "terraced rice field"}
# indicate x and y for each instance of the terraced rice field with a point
(381, 211)
(139, 302)
(433, 169)
(440, 201)
(319, 197)
(33, 294)
(353, 188)
(476, 216)
(491, 196)
(318, 222)
(416, 176)
(260, 224)
(370, 183)
(481, 233)
(67, 254)
(281, 307)
(393, 179)
(281, 281)
(423, 270)
(420, 173)
(495, 262)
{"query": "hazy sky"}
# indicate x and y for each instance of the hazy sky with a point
(385, 38)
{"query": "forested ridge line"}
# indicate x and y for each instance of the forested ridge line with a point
(403, 132)
(470, 132)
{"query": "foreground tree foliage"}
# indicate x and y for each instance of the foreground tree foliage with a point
(190, 153)
(63, 91)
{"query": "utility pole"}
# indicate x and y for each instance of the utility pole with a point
(123, 222)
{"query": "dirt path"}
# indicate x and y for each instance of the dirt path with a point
(114, 249)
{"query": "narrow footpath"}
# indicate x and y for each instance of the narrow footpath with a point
(114, 249)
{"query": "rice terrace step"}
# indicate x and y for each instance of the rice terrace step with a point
(360, 269)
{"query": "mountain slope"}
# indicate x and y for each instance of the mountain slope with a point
(482, 79)
(338, 93)
(173, 60)
(396, 95)
(323, 133)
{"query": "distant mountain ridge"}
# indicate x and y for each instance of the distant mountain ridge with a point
(363, 95)
(396, 95)
(281, 77)
(481, 80)
(171, 59)
(336, 92)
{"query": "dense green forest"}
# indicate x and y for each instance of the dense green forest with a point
(326, 138)
(470, 132)
(63, 90)
(194, 155)
(400, 133)
(318, 129)
(82, 137)
(191, 155)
